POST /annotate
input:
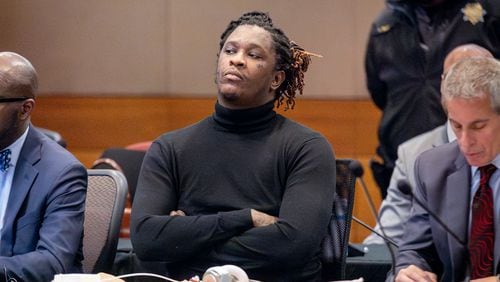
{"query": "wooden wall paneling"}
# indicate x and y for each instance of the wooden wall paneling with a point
(92, 124)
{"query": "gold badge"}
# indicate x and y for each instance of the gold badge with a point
(383, 28)
(473, 12)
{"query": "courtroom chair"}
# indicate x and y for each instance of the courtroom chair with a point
(129, 162)
(56, 136)
(126, 160)
(335, 245)
(104, 205)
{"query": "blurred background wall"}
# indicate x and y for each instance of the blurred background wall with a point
(116, 72)
(168, 47)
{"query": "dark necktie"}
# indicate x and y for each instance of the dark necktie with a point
(482, 236)
(5, 160)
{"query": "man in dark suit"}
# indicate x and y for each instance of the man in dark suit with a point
(42, 187)
(460, 183)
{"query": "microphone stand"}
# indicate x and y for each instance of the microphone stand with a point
(392, 242)
(406, 189)
(357, 169)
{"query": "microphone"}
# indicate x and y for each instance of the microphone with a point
(357, 170)
(362, 223)
(406, 189)
(225, 273)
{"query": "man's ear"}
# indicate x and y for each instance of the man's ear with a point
(26, 109)
(279, 77)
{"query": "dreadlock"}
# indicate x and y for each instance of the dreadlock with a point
(290, 57)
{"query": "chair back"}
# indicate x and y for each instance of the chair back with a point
(104, 205)
(54, 135)
(335, 245)
(128, 161)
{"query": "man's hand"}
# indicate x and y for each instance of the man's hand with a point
(258, 218)
(413, 273)
(177, 212)
(262, 219)
(194, 279)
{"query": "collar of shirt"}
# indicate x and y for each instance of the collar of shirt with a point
(496, 162)
(15, 149)
(449, 132)
(494, 180)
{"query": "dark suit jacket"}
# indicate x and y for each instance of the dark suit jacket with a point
(443, 183)
(43, 226)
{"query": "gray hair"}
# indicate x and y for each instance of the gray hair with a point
(473, 78)
(18, 77)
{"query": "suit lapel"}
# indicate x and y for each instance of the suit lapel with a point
(457, 200)
(23, 180)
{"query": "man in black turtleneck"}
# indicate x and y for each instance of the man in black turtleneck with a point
(245, 186)
(404, 58)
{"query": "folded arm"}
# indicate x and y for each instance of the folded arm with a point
(302, 221)
(159, 235)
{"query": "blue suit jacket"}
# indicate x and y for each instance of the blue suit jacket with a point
(43, 225)
(442, 183)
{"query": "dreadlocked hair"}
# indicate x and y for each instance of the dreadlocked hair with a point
(301, 60)
(290, 57)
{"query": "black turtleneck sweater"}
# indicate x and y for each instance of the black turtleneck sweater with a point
(216, 171)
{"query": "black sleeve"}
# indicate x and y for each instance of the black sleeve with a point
(376, 87)
(303, 217)
(157, 236)
(493, 25)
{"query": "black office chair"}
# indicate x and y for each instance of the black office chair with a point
(104, 205)
(335, 245)
(54, 136)
(125, 160)
(129, 162)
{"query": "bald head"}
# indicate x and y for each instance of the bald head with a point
(18, 77)
(462, 52)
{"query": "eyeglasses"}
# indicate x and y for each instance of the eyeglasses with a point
(12, 99)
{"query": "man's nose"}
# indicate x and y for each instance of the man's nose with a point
(237, 60)
(467, 138)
